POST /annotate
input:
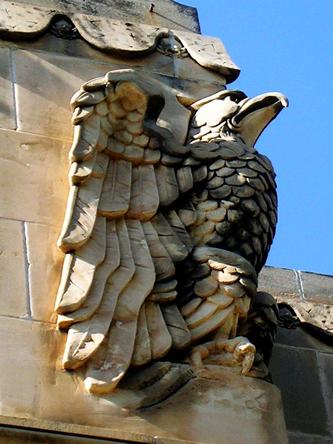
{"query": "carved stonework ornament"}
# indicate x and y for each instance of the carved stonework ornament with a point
(63, 28)
(137, 35)
(170, 216)
(171, 45)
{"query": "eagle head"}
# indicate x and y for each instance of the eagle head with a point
(231, 113)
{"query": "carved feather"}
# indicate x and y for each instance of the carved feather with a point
(82, 208)
(122, 334)
(222, 295)
(115, 179)
(97, 289)
(79, 277)
(85, 337)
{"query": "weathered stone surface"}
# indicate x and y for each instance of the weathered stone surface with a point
(7, 105)
(45, 261)
(206, 287)
(37, 168)
(37, 397)
(155, 62)
(13, 279)
(160, 338)
(50, 92)
(210, 53)
(297, 374)
(79, 270)
(99, 307)
(215, 321)
(99, 299)
(144, 193)
(142, 347)
(191, 306)
(175, 248)
(40, 12)
(121, 339)
(313, 312)
(299, 338)
(181, 337)
(317, 287)
(325, 363)
(108, 33)
(187, 68)
(196, 89)
(279, 282)
(221, 300)
(116, 190)
(81, 209)
(306, 438)
(318, 314)
(14, 435)
(201, 314)
(43, 108)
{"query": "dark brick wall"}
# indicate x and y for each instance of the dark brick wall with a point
(301, 365)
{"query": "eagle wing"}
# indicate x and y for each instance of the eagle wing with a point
(121, 241)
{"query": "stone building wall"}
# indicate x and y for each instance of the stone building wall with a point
(39, 401)
(301, 363)
(37, 80)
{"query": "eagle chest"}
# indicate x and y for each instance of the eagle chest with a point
(236, 205)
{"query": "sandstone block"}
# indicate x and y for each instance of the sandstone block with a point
(197, 89)
(45, 85)
(49, 80)
(155, 62)
(317, 287)
(13, 290)
(297, 374)
(212, 408)
(187, 69)
(45, 262)
(33, 177)
(7, 106)
(279, 282)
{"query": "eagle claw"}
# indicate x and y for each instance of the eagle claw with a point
(231, 352)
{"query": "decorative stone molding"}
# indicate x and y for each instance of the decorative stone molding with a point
(114, 35)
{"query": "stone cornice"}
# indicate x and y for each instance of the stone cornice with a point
(23, 22)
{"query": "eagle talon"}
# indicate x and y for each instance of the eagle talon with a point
(241, 351)
(246, 352)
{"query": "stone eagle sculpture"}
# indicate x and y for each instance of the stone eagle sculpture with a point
(170, 216)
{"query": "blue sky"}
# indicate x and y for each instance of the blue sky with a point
(287, 46)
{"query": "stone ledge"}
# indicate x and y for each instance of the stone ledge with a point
(7, 108)
(310, 294)
(298, 338)
(61, 432)
(306, 438)
(13, 276)
(317, 287)
(210, 408)
(28, 435)
(285, 282)
(279, 282)
(297, 374)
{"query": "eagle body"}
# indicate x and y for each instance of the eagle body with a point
(163, 237)
(236, 202)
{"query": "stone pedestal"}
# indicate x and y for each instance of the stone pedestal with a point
(217, 406)
(40, 399)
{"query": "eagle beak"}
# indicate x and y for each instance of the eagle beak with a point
(255, 114)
